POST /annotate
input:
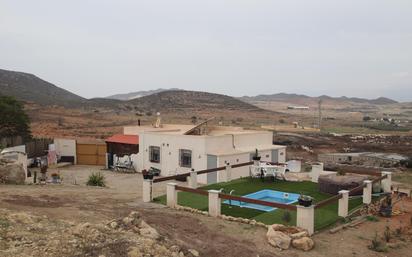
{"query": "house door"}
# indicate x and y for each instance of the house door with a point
(275, 155)
(211, 164)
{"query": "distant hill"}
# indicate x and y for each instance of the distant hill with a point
(29, 88)
(134, 95)
(195, 100)
(308, 100)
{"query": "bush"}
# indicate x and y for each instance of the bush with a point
(96, 179)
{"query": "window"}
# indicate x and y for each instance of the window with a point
(154, 154)
(185, 158)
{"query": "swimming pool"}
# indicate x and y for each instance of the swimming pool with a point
(266, 195)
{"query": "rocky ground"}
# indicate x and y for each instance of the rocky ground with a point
(23, 234)
(77, 220)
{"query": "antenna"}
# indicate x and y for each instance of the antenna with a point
(320, 114)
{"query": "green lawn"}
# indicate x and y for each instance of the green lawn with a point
(324, 216)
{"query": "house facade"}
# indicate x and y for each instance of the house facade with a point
(172, 151)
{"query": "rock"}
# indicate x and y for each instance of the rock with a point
(304, 243)
(11, 172)
(278, 238)
(134, 252)
(174, 248)
(299, 235)
(127, 221)
(193, 252)
(148, 231)
(114, 225)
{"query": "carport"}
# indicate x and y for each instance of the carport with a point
(121, 145)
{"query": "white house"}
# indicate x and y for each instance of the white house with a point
(176, 149)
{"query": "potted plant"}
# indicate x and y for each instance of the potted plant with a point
(256, 156)
(55, 177)
(147, 174)
(305, 200)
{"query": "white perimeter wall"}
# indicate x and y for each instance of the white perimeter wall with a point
(65, 147)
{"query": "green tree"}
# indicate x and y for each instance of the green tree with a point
(13, 119)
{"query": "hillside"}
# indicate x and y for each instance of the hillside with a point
(195, 100)
(138, 94)
(29, 88)
(308, 100)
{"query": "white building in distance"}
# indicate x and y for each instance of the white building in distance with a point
(176, 149)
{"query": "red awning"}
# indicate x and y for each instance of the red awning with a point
(124, 139)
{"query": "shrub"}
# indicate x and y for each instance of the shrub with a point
(387, 234)
(96, 179)
(372, 218)
(286, 217)
(377, 245)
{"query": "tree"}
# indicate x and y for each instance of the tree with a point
(366, 118)
(13, 119)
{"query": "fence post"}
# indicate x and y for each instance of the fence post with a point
(316, 171)
(192, 179)
(214, 203)
(343, 203)
(305, 218)
(387, 182)
(367, 192)
(171, 195)
(147, 190)
(228, 172)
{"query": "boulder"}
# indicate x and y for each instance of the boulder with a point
(299, 235)
(304, 243)
(11, 172)
(278, 238)
(147, 231)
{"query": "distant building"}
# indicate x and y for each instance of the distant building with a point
(176, 149)
(363, 158)
(292, 107)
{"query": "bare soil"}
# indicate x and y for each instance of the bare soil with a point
(210, 236)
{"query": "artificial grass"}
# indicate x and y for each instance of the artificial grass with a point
(324, 216)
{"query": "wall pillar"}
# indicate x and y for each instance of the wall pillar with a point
(316, 171)
(343, 203)
(171, 195)
(192, 179)
(147, 190)
(214, 203)
(387, 182)
(367, 192)
(228, 172)
(305, 218)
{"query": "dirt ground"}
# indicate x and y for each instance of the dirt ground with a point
(209, 236)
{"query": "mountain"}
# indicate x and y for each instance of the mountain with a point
(29, 88)
(194, 100)
(138, 94)
(308, 100)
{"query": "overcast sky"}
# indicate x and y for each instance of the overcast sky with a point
(98, 48)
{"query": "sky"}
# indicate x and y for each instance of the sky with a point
(97, 48)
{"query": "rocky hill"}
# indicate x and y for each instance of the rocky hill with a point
(194, 100)
(308, 100)
(29, 88)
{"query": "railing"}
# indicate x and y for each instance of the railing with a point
(238, 198)
(183, 175)
(352, 191)
(256, 201)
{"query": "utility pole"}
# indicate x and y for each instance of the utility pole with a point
(320, 115)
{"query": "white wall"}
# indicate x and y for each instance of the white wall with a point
(169, 152)
(65, 147)
(18, 148)
(234, 159)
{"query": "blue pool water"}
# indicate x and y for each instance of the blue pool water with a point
(266, 195)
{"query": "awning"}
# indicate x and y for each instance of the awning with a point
(123, 139)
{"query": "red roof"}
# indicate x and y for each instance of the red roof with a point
(124, 139)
